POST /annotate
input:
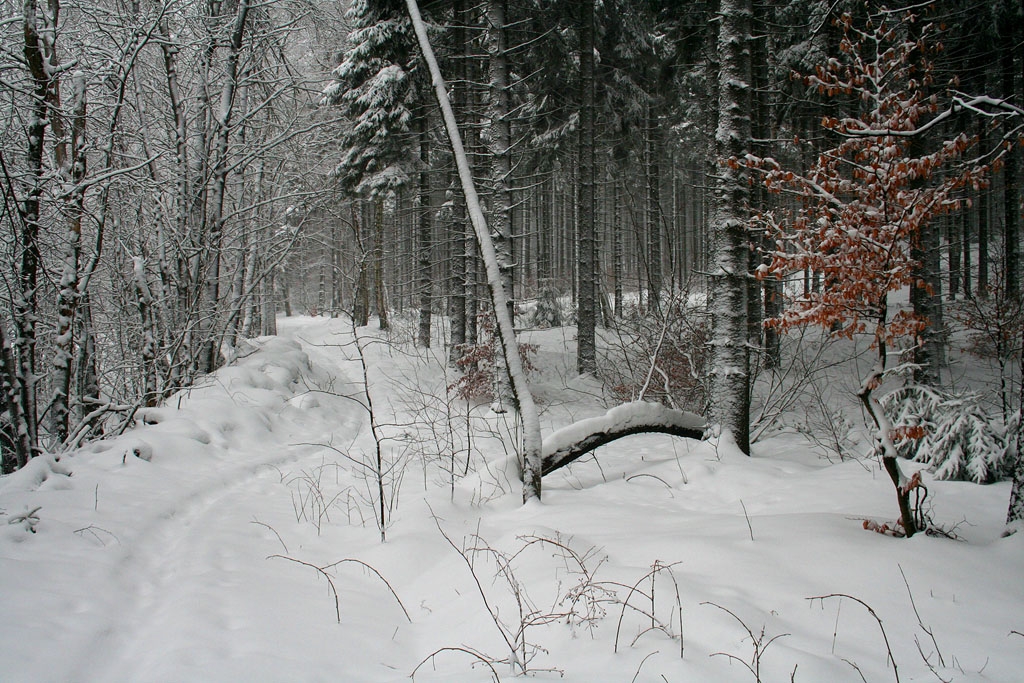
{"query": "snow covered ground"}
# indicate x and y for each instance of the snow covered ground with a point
(234, 537)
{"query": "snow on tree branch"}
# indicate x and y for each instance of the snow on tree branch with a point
(576, 440)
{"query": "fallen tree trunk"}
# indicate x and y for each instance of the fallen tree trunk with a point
(576, 440)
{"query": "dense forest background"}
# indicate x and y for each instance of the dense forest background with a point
(177, 173)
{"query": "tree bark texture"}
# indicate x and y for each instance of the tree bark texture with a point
(424, 238)
(499, 148)
(653, 137)
(221, 169)
(729, 365)
(586, 354)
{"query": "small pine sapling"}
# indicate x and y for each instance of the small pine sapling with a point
(864, 202)
(952, 434)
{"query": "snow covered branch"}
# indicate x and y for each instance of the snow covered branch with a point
(576, 440)
(982, 105)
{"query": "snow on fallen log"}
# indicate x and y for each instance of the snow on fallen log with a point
(576, 440)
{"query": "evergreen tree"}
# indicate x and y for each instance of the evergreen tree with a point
(374, 84)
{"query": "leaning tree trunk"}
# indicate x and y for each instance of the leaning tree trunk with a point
(884, 429)
(531, 462)
(639, 417)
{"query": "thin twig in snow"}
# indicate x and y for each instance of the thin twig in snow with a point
(747, 517)
(479, 657)
(274, 531)
(888, 648)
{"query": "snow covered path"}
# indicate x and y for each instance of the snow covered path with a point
(160, 556)
(167, 577)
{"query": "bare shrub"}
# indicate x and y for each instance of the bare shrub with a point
(660, 358)
(478, 362)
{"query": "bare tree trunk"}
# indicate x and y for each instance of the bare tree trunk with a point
(361, 298)
(10, 383)
(144, 303)
(179, 286)
(457, 228)
(221, 168)
(759, 307)
(984, 216)
(380, 294)
(586, 354)
(40, 57)
(457, 280)
(1010, 30)
(929, 354)
(730, 363)
(926, 294)
(883, 428)
(499, 143)
(653, 138)
(424, 237)
(1011, 242)
(253, 278)
(268, 303)
(69, 293)
(472, 287)
(965, 249)
(87, 359)
(337, 283)
(617, 248)
(954, 225)
(1015, 511)
(473, 274)
(321, 279)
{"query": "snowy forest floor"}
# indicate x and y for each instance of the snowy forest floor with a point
(231, 538)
